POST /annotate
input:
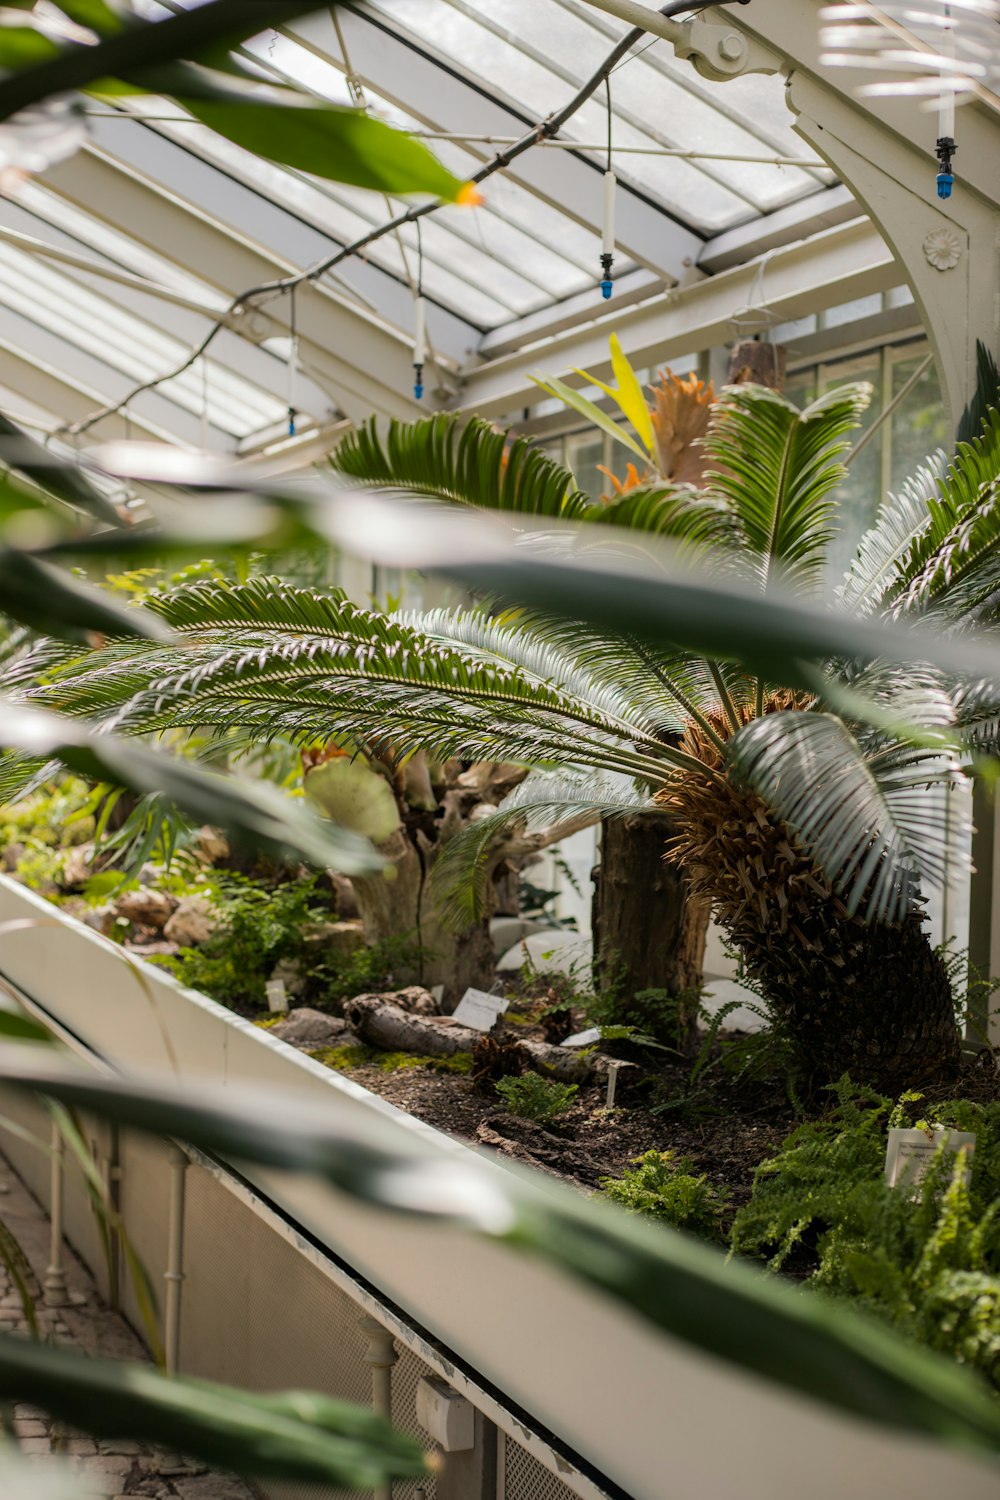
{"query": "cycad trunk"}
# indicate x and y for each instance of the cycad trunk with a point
(869, 999)
(400, 906)
(648, 932)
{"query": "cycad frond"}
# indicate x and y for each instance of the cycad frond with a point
(878, 563)
(952, 565)
(777, 467)
(604, 671)
(560, 802)
(868, 822)
(689, 517)
(468, 461)
(294, 661)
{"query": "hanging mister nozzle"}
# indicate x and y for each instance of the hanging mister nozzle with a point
(608, 240)
(946, 149)
(419, 345)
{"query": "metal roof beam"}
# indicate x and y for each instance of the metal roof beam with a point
(346, 349)
(834, 267)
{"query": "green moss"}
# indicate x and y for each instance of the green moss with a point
(347, 1057)
(516, 1018)
(342, 1058)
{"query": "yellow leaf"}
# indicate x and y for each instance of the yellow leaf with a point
(630, 397)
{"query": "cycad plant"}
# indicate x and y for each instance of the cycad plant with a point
(809, 820)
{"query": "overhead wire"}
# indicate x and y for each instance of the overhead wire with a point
(265, 292)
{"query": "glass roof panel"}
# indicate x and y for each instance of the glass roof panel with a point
(101, 327)
(534, 56)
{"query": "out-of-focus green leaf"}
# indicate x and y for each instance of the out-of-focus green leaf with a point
(147, 44)
(16, 1027)
(64, 480)
(101, 17)
(294, 1435)
(24, 47)
(252, 811)
(53, 602)
(812, 1348)
(330, 141)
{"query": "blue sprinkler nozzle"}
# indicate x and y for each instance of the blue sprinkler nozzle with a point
(606, 284)
(945, 184)
(418, 391)
(418, 382)
(607, 287)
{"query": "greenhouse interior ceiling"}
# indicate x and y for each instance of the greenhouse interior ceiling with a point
(120, 261)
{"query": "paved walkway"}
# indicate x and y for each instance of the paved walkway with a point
(110, 1469)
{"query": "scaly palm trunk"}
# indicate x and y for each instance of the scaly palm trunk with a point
(648, 932)
(869, 999)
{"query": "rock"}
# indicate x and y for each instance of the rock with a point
(147, 907)
(77, 868)
(211, 845)
(100, 918)
(150, 874)
(12, 856)
(341, 938)
(343, 890)
(153, 950)
(289, 972)
(310, 1029)
(506, 931)
(192, 923)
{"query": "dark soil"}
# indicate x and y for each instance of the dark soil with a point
(725, 1138)
(726, 1125)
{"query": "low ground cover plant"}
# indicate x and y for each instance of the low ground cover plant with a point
(665, 1188)
(532, 1097)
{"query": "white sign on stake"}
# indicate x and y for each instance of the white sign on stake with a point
(909, 1153)
(277, 995)
(479, 1010)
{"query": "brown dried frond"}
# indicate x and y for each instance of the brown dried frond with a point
(682, 408)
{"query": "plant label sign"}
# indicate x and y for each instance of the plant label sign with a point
(584, 1038)
(909, 1153)
(479, 1010)
(277, 995)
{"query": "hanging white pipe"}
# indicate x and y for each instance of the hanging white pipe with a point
(419, 330)
(946, 128)
(55, 1292)
(608, 239)
(174, 1274)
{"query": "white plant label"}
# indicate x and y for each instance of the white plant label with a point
(479, 1010)
(584, 1038)
(277, 995)
(909, 1153)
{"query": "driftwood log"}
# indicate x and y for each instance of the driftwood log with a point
(381, 1024)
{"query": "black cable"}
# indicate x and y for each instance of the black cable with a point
(545, 129)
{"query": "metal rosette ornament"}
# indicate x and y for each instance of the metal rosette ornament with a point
(943, 51)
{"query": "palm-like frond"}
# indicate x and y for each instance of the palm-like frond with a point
(777, 468)
(867, 821)
(878, 563)
(556, 803)
(952, 564)
(468, 461)
(284, 660)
